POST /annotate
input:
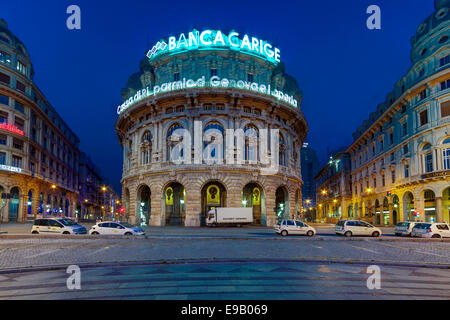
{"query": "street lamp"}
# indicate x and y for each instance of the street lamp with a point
(369, 190)
(324, 191)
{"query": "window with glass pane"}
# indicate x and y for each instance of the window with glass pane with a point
(445, 109)
(406, 171)
(21, 67)
(5, 58)
(429, 162)
(423, 117)
(404, 129)
(2, 158)
(446, 158)
(3, 117)
(445, 60)
(3, 139)
(17, 162)
(4, 78)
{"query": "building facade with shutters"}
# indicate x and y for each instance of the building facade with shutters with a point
(401, 154)
(211, 120)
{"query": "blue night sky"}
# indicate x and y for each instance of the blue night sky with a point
(343, 69)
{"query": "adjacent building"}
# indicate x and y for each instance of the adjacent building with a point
(211, 120)
(334, 188)
(401, 155)
(39, 155)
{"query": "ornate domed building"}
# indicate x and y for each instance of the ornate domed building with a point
(211, 120)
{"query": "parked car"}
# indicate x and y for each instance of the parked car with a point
(115, 228)
(350, 228)
(289, 226)
(404, 228)
(431, 230)
(57, 226)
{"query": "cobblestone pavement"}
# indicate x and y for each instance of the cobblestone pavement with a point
(229, 281)
(32, 252)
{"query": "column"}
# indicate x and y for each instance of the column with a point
(439, 209)
(391, 214)
(400, 211)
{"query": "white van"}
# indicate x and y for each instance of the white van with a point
(350, 228)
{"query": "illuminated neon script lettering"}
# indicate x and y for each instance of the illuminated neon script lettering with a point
(214, 82)
(215, 39)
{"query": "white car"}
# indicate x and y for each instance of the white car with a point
(431, 230)
(404, 228)
(350, 228)
(116, 228)
(288, 226)
(57, 226)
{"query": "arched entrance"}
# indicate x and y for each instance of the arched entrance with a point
(377, 213)
(174, 204)
(446, 205)
(430, 206)
(253, 196)
(144, 206)
(408, 207)
(395, 202)
(282, 203)
(214, 195)
(30, 214)
(385, 215)
(350, 211)
(14, 203)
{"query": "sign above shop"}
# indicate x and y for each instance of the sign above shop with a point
(214, 82)
(11, 128)
(436, 174)
(215, 40)
(10, 169)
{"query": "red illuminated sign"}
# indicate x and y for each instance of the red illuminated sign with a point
(11, 128)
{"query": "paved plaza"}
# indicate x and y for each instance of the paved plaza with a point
(222, 263)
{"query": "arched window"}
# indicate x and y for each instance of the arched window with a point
(213, 143)
(251, 152)
(175, 150)
(146, 147)
(428, 158)
(282, 151)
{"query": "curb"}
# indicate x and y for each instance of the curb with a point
(125, 263)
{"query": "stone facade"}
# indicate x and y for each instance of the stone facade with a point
(38, 151)
(157, 191)
(401, 154)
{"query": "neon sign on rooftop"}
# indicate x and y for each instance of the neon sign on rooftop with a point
(215, 40)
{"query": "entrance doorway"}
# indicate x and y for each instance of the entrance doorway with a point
(252, 197)
(214, 195)
(175, 204)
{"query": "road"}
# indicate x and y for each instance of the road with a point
(223, 263)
